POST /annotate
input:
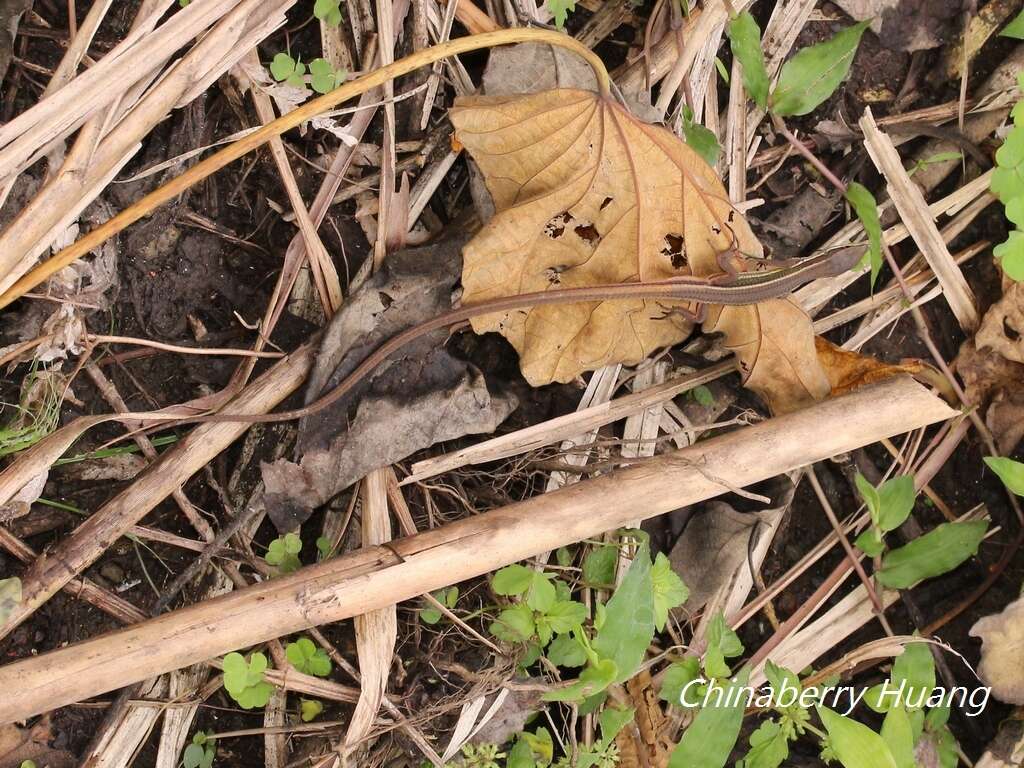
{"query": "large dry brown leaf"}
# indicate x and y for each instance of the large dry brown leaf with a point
(587, 195)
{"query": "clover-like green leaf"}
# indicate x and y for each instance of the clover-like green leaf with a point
(328, 11)
(244, 681)
(309, 709)
(306, 657)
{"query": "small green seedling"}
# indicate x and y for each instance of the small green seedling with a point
(310, 709)
(560, 9)
(285, 69)
(1008, 185)
(324, 77)
(889, 505)
(323, 548)
(283, 552)
(933, 554)
(200, 753)
(307, 658)
(328, 11)
(244, 681)
(10, 596)
(447, 597)
(702, 140)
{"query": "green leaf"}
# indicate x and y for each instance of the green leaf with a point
(869, 494)
(864, 205)
(854, 744)
(514, 625)
(541, 595)
(676, 678)
(629, 621)
(193, 756)
(714, 663)
(244, 682)
(566, 651)
(284, 553)
(745, 41)
(1010, 472)
(599, 565)
(721, 636)
(700, 139)
(564, 556)
(933, 554)
(1008, 177)
(869, 543)
(879, 698)
(915, 668)
(324, 77)
(566, 615)
(781, 678)
(613, 720)
(814, 73)
(669, 590)
(713, 732)
(769, 747)
(328, 11)
(592, 680)
(897, 734)
(1011, 255)
(309, 709)
(512, 580)
(10, 597)
(703, 396)
(306, 657)
(282, 67)
(1015, 28)
(560, 10)
(896, 497)
(323, 547)
(520, 756)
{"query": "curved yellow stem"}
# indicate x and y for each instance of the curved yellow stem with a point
(294, 118)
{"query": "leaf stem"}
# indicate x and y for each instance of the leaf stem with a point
(798, 145)
(293, 119)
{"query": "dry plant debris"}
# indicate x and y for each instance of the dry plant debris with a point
(539, 542)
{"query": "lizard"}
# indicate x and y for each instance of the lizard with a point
(730, 289)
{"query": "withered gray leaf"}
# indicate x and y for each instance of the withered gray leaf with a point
(905, 25)
(421, 396)
(715, 544)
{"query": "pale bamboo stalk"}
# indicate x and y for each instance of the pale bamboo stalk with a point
(376, 631)
(372, 578)
(913, 209)
(55, 568)
(580, 422)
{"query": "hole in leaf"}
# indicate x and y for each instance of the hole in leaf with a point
(556, 227)
(607, 201)
(675, 250)
(588, 232)
(1011, 333)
